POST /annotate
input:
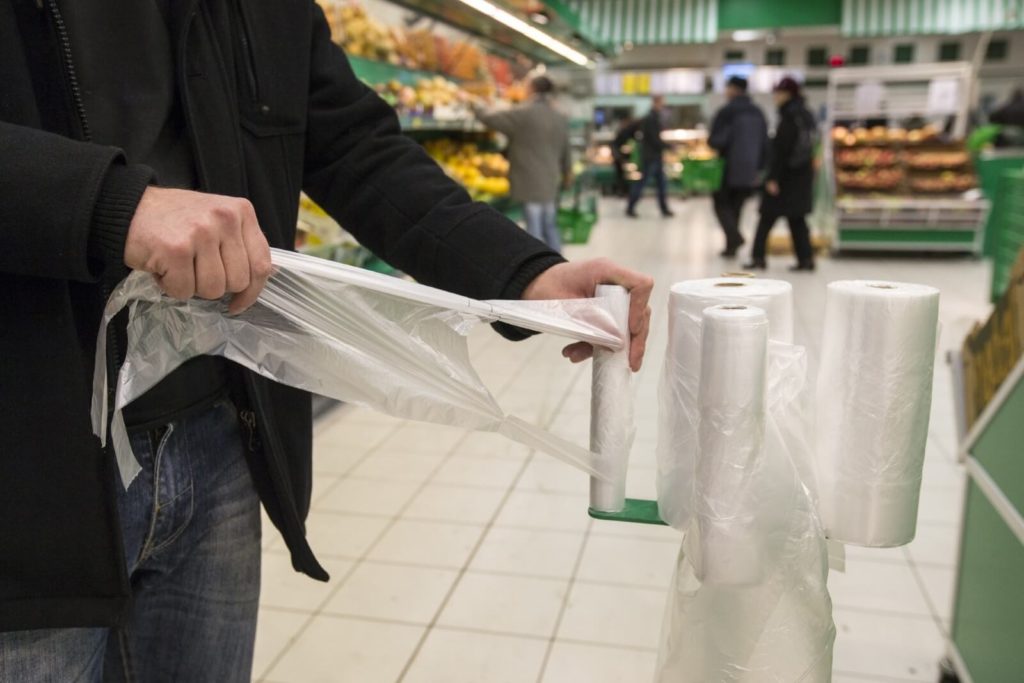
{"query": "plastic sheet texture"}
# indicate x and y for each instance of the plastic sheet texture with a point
(612, 425)
(346, 333)
(679, 415)
(873, 404)
(749, 599)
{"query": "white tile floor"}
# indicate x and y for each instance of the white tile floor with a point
(464, 558)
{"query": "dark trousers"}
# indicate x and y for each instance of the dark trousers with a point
(797, 228)
(728, 203)
(621, 187)
(653, 170)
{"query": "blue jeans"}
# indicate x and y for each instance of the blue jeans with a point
(542, 223)
(653, 170)
(191, 524)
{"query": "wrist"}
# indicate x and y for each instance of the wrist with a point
(115, 207)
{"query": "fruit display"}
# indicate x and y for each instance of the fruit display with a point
(880, 135)
(483, 174)
(866, 156)
(871, 179)
(936, 160)
(947, 182)
(360, 34)
(435, 97)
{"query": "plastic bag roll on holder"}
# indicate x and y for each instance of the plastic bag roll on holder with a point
(349, 334)
(749, 600)
(678, 412)
(731, 402)
(873, 404)
(612, 426)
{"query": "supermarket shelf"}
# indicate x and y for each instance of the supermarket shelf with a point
(427, 125)
(502, 38)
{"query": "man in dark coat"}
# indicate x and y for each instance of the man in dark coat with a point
(652, 149)
(789, 188)
(739, 133)
(174, 137)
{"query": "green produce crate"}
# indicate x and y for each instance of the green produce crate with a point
(991, 166)
(1005, 229)
(701, 176)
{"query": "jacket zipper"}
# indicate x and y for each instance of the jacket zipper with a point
(250, 60)
(113, 355)
(69, 68)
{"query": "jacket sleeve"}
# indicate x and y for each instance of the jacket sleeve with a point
(721, 131)
(65, 205)
(505, 121)
(782, 148)
(395, 200)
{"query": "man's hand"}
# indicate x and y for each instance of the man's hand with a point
(772, 188)
(580, 280)
(199, 244)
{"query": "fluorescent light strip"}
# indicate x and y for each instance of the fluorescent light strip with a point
(536, 35)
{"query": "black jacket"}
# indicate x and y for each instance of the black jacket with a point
(796, 183)
(652, 147)
(739, 133)
(271, 107)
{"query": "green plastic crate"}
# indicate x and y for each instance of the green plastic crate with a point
(701, 176)
(1006, 229)
(991, 166)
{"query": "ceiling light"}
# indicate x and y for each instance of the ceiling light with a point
(746, 36)
(536, 35)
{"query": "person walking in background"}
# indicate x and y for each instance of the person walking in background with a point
(538, 155)
(651, 149)
(790, 182)
(624, 134)
(739, 133)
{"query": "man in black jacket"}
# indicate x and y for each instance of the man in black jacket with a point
(739, 133)
(652, 148)
(174, 136)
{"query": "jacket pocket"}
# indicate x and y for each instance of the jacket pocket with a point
(271, 66)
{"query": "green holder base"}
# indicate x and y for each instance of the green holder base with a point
(636, 511)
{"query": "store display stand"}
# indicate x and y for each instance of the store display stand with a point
(988, 616)
(902, 223)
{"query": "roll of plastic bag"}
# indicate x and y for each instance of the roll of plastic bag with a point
(345, 333)
(678, 413)
(612, 426)
(731, 401)
(779, 628)
(873, 403)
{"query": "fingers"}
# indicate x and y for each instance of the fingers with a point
(209, 273)
(638, 342)
(178, 276)
(578, 352)
(258, 254)
(234, 257)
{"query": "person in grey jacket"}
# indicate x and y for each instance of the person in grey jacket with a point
(739, 133)
(538, 155)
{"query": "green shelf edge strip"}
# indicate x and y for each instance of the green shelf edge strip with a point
(636, 511)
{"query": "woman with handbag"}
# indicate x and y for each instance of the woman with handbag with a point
(788, 189)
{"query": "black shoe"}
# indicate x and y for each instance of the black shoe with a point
(729, 253)
(755, 265)
(667, 214)
(631, 213)
(806, 266)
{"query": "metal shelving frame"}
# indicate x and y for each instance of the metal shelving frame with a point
(901, 223)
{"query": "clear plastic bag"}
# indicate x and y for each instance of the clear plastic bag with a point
(749, 600)
(350, 334)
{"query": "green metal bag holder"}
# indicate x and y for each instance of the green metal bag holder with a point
(636, 511)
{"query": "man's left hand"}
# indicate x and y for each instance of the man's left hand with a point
(580, 280)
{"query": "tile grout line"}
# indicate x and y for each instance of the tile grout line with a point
(546, 422)
(936, 618)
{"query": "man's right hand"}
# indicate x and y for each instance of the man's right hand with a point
(199, 244)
